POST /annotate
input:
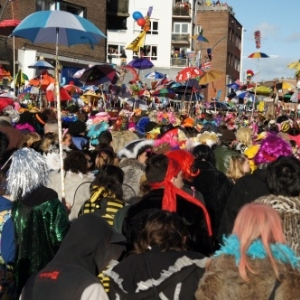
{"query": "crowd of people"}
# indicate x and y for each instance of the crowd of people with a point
(175, 208)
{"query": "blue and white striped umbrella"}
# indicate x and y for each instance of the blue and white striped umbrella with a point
(58, 27)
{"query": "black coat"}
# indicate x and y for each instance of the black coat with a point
(157, 275)
(191, 215)
(246, 190)
(215, 188)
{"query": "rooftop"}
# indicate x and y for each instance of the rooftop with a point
(212, 6)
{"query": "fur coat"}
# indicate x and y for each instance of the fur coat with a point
(222, 280)
(289, 211)
(134, 172)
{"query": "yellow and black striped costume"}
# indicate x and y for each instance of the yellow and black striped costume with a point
(107, 205)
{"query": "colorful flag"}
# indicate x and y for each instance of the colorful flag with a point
(206, 66)
(137, 42)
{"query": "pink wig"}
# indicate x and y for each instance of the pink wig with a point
(271, 148)
(185, 160)
(257, 221)
(170, 137)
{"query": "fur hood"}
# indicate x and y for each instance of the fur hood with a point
(131, 162)
(134, 172)
(289, 211)
(222, 281)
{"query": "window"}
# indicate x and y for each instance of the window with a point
(153, 28)
(148, 51)
(115, 50)
(44, 5)
(60, 5)
(181, 28)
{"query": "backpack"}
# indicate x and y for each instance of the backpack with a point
(106, 207)
(5, 215)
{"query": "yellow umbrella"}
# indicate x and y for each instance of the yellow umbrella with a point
(210, 76)
(263, 90)
(294, 65)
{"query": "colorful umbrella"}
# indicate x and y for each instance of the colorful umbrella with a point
(78, 74)
(7, 26)
(41, 65)
(210, 76)
(43, 81)
(284, 86)
(188, 73)
(155, 75)
(144, 93)
(141, 63)
(98, 74)
(20, 78)
(258, 55)
(59, 28)
(263, 90)
(294, 65)
(71, 88)
(233, 85)
(201, 38)
(169, 93)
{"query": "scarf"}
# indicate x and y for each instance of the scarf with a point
(169, 201)
(281, 252)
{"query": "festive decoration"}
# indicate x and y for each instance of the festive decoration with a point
(257, 38)
(137, 15)
(250, 74)
(28, 171)
(145, 23)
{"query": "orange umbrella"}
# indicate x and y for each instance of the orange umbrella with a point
(210, 76)
(42, 81)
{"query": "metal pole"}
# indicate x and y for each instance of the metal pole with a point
(3, 8)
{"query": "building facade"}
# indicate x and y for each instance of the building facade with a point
(71, 58)
(171, 44)
(168, 41)
(225, 35)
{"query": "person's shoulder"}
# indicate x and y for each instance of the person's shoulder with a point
(94, 291)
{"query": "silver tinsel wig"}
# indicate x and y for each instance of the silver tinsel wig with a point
(28, 170)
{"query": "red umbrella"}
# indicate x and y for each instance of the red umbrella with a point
(7, 26)
(64, 95)
(188, 73)
(71, 88)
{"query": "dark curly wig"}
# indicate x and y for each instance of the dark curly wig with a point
(76, 162)
(110, 177)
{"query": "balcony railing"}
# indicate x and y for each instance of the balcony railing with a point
(177, 38)
(181, 10)
(179, 62)
(221, 7)
(116, 7)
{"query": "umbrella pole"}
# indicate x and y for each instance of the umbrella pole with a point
(57, 89)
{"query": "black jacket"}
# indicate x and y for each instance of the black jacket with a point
(191, 215)
(215, 188)
(247, 189)
(157, 275)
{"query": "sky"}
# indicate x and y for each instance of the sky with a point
(278, 22)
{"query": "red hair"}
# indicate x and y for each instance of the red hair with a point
(186, 160)
(257, 221)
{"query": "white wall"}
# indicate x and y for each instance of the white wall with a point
(162, 12)
(26, 58)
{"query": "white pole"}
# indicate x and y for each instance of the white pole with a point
(57, 91)
(242, 52)
(14, 65)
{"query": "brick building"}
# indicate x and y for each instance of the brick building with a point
(224, 34)
(76, 57)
